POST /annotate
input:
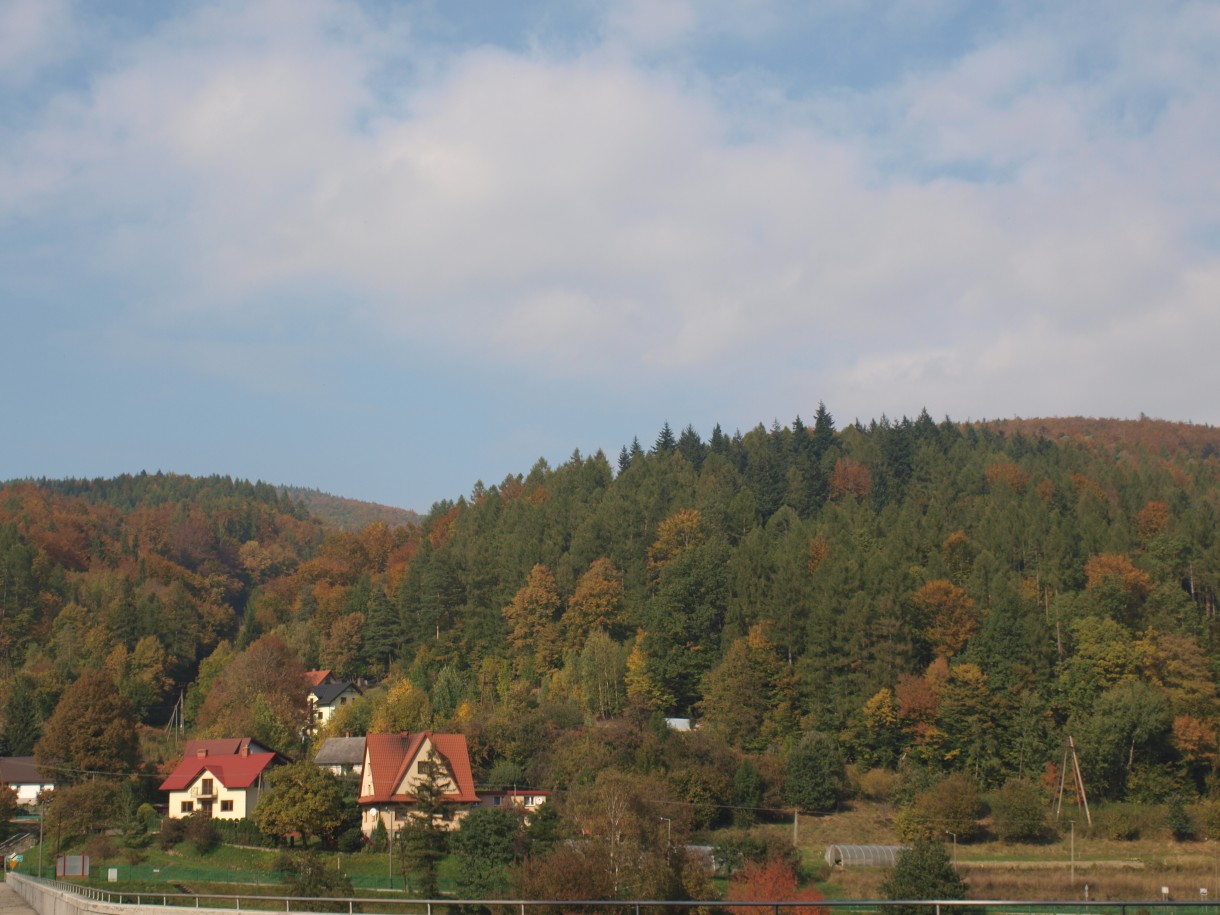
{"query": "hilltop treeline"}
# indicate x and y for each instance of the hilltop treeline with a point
(952, 597)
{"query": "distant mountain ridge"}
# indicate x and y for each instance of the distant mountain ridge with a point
(348, 514)
(1158, 435)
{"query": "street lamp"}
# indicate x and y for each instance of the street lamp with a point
(950, 832)
(669, 831)
(41, 817)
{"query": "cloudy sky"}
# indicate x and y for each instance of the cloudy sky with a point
(387, 249)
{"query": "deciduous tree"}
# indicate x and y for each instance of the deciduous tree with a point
(300, 799)
(91, 733)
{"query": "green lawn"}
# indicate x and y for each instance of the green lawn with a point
(229, 869)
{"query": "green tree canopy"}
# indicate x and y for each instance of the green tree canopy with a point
(300, 798)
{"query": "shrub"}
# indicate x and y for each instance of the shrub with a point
(1019, 812)
(242, 832)
(147, 814)
(738, 848)
(1181, 827)
(952, 805)
(172, 832)
(100, 848)
(877, 784)
(1122, 822)
(310, 877)
(351, 840)
(201, 832)
(923, 871)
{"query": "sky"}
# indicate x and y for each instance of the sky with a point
(389, 249)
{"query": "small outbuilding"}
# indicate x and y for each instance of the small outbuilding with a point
(863, 855)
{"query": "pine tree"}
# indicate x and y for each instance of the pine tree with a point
(382, 629)
(823, 431)
(424, 840)
(22, 727)
(923, 871)
(666, 442)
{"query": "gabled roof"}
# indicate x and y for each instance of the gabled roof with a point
(340, 751)
(318, 677)
(224, 746)
(326, 693)
(388, 758)
(235, 762)
(21, 770)
(230, 771)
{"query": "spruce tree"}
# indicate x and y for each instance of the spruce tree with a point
(666, 442)
(923, 871)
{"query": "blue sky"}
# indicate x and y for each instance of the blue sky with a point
(389, 249)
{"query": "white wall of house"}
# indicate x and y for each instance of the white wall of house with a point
(28, 794)
(227, 803)
(323, 713)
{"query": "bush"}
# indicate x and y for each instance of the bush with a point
(242, 832)
(310, 877)
(1122, 822)
(740, 847)
(877, 784)
(147, 814)
(172, 832)
(101, 848)
(923, 871)
(201, 832)
(351, 840)
(952, 805)
(1181, 827)
(1019, 812)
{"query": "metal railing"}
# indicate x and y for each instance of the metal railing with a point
(405, 906)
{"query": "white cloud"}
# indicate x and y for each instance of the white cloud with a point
(977, 233)
(33, 34)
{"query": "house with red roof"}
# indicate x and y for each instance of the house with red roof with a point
(392, 773)
(222, 778)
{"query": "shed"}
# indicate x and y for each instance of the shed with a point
(863, 855)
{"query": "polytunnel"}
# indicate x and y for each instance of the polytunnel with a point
(863, 855)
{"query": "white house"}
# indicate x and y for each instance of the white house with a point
(21, 774)
(222, 778)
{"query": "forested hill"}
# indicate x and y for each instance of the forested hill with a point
(955, 595)
(348, 514)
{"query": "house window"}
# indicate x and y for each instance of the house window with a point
(495, 801)
(188, 807)
(531, 801)
(206, 789)
(226, 806)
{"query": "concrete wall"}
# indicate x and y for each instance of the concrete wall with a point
(46, 900)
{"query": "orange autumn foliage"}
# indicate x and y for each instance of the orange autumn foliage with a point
(771, 881)
(850, 478)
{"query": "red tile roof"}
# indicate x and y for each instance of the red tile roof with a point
(317, 677)
(235, 762)
(388, 757)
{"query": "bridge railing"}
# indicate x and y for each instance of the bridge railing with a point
(107, 900)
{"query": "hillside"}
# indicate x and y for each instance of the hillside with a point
(924, 600)
(348, 514)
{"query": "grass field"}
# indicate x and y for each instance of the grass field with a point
(1055, 870)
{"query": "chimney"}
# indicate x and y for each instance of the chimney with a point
(245, 750)
(201, 752)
